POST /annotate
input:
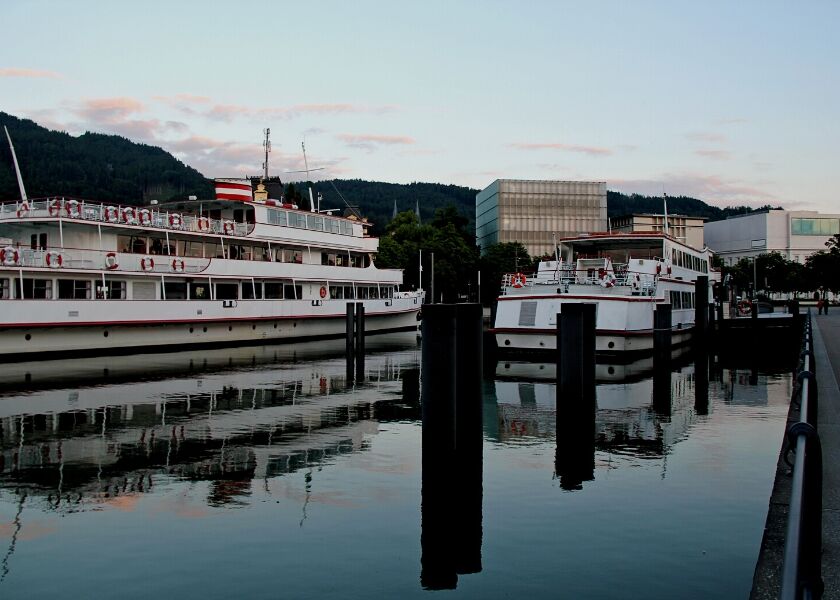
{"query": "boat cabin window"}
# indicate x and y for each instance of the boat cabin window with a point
(39, 289)
(191, 249)
(292, 292)
(215, 214)
(289, 255)
(4, 289)
(39, 241)
(227, 291)
(273, 290)
(113, 290)
(243, 215)
(252, 290)
(74, 289)
(213, 251)
(131, 244)
(157, 246)
(238, 252)
(336, 292)
(362, 293)
(175, 290)
(199, 291)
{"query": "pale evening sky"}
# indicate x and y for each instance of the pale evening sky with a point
(731, 102)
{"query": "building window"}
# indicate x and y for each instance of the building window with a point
(816, 226)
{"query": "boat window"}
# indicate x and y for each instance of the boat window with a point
(527, 314)
(273, 290)
(238, 252)
(327, 259)
(333, 225)
(193, 249)
(40, 289)
(74, 289)
(374, 293)
(157, 246)
(213, 250)
(261, 253)
(199, 291)
(4, 288)
(113, 290)
(346, 228)
(292, 292)
(227, 291)
(340, 260)
(362, 293)
(315, 222)
(336, 292)
(676, 301)
(297, 220)
(252, 290)
(348, 291)
(39, 241)
(175, 290)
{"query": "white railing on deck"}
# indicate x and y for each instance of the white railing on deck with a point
(98, 260)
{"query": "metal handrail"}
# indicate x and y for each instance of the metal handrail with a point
(801, 575)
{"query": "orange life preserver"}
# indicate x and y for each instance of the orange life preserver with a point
(73, 209)
(203, 223)
(229, 227)
(175, 220)
(111, 261)
(112, 215)
(54, 207)
(323, 292)
(744, 307)
(9, 256)
(54, 259)
(147, 263)
(23, 209)
(145, 216)
(178, 265)
(518, 280)
(129, 215)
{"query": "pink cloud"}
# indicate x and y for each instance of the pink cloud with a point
(589, 150)
(109, 108)
(370, 142)
(715, 154)
(204, 106)
(19, 72)
(709, 188)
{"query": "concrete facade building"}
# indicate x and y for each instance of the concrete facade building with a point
(688, 230)
(533, 212)
(795, 234)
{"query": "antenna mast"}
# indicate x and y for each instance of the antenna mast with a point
(306, 164)
(267, 146)
(17, 168)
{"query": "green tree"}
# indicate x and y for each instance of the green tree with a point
(498, 259)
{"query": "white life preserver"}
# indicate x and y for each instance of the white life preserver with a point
(111, 261)
(607, 280)
(145, 216)
(129, 215)
(54, 207)
(147, 263)
(177, 265)
(518, 280)
(9, 256)
(112, 214)
(73, 209)
(23, 209)
(203, 223)
(229, 228)
(175, 220)
(54, 259)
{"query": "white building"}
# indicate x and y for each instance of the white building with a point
(688, 230)
(794, 234)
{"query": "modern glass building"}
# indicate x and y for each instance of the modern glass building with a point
(795, 234)
(534, 212)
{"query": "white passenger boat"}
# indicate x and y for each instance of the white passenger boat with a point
(81, 276)
(625, 275)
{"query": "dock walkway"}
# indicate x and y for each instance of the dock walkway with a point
(767, 580)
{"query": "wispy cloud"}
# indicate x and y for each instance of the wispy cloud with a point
(705, 136)
(732, 121)
(369, 141)
(589, 150)
(709, 188)
(22, 72)
(714, 154)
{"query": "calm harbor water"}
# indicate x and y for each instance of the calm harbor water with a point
(261, 472)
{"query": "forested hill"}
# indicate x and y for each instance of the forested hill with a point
(92, 166)
(108, 167)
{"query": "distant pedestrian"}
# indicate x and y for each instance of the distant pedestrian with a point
(818, 300)
(824, 301)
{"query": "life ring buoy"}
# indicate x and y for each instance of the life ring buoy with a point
(54, 259)
(23, 209)
(519, 280)
(607, 280)
(229, 228)
(177, 265)
(112, 214)
(129, 215)
(54, 207)
(323, 292)
(145, 216)
(175, 220)
(203, 223)
(73, 209)
(147, 263)
(9, 256)
(744, 307)
(111, 261)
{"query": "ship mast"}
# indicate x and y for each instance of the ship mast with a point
(306, 165)
(267, 146)
(17, 168)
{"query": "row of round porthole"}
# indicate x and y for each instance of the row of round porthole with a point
(28, 336)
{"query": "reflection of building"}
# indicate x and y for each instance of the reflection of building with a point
(688, 230)
(795, 234)
(534, 212)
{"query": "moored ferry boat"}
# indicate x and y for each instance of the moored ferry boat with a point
(80, 276)
(625, 275)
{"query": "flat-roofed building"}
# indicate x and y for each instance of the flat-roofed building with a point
(795, 234)
(534, 212)
(688, 230)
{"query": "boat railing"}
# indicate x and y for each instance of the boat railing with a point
(620, 277)
(57, 259)
(117, 214)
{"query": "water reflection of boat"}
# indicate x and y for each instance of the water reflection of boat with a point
(43, 374)
(612, 372)
(86, 445)
(629, 419)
